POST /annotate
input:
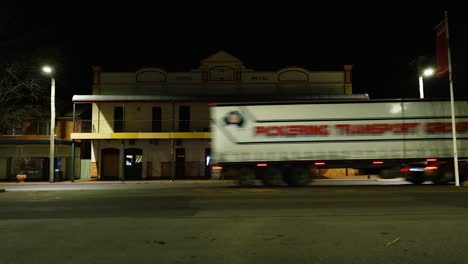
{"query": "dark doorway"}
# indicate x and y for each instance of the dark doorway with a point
(110, 163)
(180, 163)
(208, 163)
(45, 169)
(133, 164)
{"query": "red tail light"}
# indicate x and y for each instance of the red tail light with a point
(430, 168)
(377, 162)
(262, 164)
(404, 169)
(431, 159)
(216, 167)
(319, 163)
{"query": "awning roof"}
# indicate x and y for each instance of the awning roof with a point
(214, 99)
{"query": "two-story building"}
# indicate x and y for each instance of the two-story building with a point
(24, 149)
(154, 124)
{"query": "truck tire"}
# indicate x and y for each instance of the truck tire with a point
(297, 176)
(273, 176)
(415, 177)
(246, 177)
(463, 173)
(443, 176)
(230, 172)
(389, 173)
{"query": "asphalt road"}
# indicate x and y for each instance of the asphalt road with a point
(225, 224)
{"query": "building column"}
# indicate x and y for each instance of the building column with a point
(348, 89)
(96, 79)
(122, 161)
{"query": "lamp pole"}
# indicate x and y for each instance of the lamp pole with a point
(426, 73)
(49, 70)
(421, 87)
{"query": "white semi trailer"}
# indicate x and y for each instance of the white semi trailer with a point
(285, 142)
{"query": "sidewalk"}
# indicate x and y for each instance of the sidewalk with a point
(101, 185)
(95, 181)
(164, 182)
(355, 177)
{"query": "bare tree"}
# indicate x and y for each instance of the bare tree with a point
(22, 94)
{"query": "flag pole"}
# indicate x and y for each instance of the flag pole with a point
(452, 107)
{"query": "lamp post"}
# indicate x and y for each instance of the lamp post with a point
(49, 70)
(426, 73)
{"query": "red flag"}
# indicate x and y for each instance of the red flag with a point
(441, 49)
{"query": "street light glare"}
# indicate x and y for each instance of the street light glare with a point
(428, 72)
(47, 69)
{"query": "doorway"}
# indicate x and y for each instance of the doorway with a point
(208, 163)
(133, 164)
(110, 163)
(180, 163)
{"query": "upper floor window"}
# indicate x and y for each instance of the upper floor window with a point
(184, 118)
(221, 73)
(118, 119)
(156, 122)
(15, 130)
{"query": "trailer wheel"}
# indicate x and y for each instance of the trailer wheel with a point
(273, 176)
(443, 175)
(463, 173)
(415, 177)
(297, 176)
(389, 173)
(230, 172)
(246, 177)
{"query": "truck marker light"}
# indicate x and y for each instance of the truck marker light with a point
(262, 164)
(377, 162)
(217, 168)
(404, 169)
(431, 159)
(319, 163)
(430, 168)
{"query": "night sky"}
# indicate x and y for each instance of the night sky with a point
(382, 43)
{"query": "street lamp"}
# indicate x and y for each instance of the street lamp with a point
(426, 73)
(49, 70)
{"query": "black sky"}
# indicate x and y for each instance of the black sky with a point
(380, 42)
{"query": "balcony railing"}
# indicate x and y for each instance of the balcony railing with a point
(145, 126)
(27, 128)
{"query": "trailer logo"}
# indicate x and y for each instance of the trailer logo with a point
(234, 118)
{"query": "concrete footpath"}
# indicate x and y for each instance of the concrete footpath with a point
(160, 184)
(94, 184)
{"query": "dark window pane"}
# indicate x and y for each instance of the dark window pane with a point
(184, 118)
(156, 120)
(118, 119)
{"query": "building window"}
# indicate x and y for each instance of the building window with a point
(156, 122)
(184, 118)
(118, 119)
(221, 73)
(13, 130)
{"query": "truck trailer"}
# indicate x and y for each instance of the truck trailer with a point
(289, 142)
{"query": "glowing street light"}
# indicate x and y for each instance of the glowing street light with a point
(49, 70)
